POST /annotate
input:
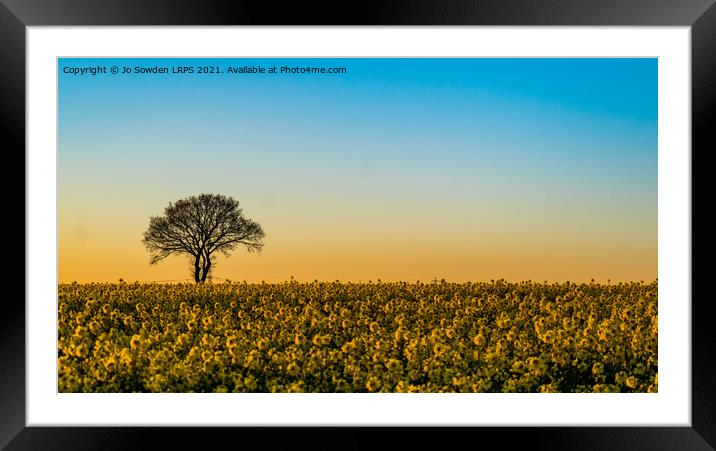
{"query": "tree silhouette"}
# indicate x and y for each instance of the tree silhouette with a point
(199, 226)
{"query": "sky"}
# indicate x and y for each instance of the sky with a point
(397, 169)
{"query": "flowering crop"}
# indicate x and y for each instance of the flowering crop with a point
(358, 337)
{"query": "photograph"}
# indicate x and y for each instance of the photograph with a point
(341, 223)
(357, 225)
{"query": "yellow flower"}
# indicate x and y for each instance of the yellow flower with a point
(82, 350)
(363, 337)
(135, 342)
(93, 326)
(372, 384)
(394, 365)
(631, 382)
(125, 357)
(597, 368)
(479, 340)
(292, 369)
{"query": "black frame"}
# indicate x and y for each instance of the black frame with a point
(15, 15)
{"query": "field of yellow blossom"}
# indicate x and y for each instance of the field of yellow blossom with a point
(358, 337)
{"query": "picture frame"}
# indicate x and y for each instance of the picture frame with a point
(15, 16)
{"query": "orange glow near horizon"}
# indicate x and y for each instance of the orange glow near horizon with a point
(93, 251)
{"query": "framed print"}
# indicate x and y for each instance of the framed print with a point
(442, 217)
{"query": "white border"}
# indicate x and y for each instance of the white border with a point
(671, 406)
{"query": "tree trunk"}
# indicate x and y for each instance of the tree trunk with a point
(197, 275)
(205, 268)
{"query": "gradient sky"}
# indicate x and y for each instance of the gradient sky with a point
(400, 169)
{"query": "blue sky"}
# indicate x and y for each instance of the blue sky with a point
(511, 158)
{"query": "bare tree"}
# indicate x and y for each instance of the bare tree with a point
(199, 226)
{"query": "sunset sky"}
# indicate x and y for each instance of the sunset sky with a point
(400, 169)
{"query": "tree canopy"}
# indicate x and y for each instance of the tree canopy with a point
(199, 226)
